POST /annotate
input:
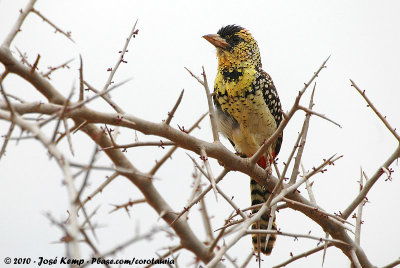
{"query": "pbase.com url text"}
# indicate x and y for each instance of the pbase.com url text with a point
(64, 260)
(132, 261)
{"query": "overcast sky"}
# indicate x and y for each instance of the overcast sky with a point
(295, 37)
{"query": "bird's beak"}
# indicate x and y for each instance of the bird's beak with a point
(216, 40)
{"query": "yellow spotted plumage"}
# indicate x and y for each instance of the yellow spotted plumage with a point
(248, 108)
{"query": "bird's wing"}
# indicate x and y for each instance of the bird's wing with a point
(271, 98)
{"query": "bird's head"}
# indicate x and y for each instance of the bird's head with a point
(236, 47)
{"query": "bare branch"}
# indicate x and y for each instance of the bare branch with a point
(293, 187)
(81, 81)
(322, 212)
(380, 116)
(106, 98)
(325, 249)
(211, 110)
(62, 115)
(269, 227)
(78, 127)
(6, 139)
(121, 57)
(357, 236)
(320, 239)
(368, 185)
(66, 34)
(53, 69)
(35, 64)
(196, 188)
(302, 255)
(68, 134)
(160, 162)
(124, 245)
(170, 251)
(309, 188)
(309, 111)
(99, 189)
(8, 103)
(209, 171)
(247, 260)
(88, 170)
(200, 196)
(128, 204)
(141, 144)
(203, 208)
(231, 260)
(171, 114)
(206, 219)
(393, 264)
(14, 97)
(17, 26)
(110, 135)
(354, 259)
(88, 217)
(3, 76)
(82, 103)
(91, 244)
(65, 167)
(294, 149)
(218, 189)
(219, 236)
(302, 144)
(10, 130)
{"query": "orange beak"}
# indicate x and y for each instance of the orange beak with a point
(216, 40)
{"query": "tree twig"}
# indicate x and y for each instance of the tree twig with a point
(302, 144)
(211, 110)
(172, 112)
(368, 185)
(121, 57)
(99, 189)
(200, 196)
(53, 69)
(380, 116)
(130, 203)
(320, 239)
(209, 171)
(66, 34)
(17, 26)
(160, 162)
(357, 235)
(65, 167)
(302, 255)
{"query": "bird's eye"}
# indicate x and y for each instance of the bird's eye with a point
(234, 40)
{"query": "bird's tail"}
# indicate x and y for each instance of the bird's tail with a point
(260, 195)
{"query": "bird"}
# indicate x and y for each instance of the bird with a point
(248, 110)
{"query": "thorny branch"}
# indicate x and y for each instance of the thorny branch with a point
(17, 26)
(66, 34)
(211, 109)
(302, 144)
(172, 112)
(209, 251)
(302, 255)
(64, 165)
(113, 70)
(380, 116)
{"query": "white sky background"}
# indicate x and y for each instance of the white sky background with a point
(295, 37)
